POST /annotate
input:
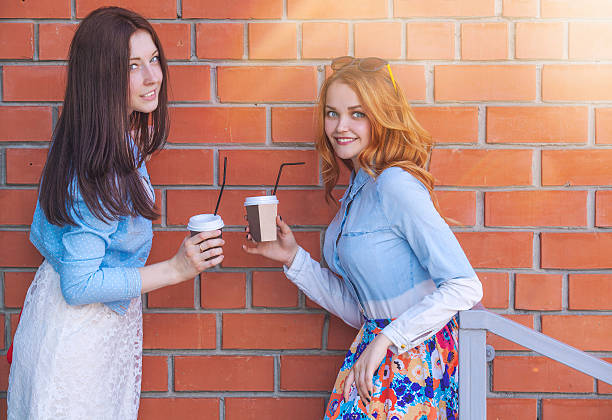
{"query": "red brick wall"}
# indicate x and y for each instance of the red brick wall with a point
(518, 96)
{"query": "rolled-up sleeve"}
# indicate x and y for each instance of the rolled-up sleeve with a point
(83, 280)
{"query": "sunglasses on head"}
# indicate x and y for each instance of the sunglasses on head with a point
(364, 64)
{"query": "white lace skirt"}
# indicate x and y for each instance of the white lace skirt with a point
(74, 362)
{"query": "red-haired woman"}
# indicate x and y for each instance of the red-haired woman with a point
(78, 348)
(396, 270)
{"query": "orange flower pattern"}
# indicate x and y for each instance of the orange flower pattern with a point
(420, 384)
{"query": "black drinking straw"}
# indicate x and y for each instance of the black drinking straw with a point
(281, 170)
(222, 185)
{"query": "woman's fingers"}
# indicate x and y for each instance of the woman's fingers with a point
(362, 389)
(203, 236)
(348, 383)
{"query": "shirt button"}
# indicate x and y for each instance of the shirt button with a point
(403, 346)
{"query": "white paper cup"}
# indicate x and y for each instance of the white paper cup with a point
(204, 223)
(261, 214)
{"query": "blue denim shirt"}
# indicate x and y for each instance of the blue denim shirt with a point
(395, 257)
(97, 260)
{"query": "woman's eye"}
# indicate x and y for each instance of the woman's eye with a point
(133, 66)
(358, 114)
(331, 114)
(155, 59)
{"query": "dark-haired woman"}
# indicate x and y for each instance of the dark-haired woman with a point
(78, 348)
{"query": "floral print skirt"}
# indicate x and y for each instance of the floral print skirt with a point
(420, 384)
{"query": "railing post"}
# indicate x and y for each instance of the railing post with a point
(472, 375)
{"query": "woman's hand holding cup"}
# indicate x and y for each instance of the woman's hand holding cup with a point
(198, 253)
(283, 249)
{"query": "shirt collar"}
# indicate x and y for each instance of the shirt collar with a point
(358, 180)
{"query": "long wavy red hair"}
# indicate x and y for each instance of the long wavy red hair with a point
(397, 139)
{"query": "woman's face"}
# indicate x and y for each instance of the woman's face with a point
(145, 73)
(346, 125)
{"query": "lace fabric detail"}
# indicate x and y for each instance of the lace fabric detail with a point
(74, 362)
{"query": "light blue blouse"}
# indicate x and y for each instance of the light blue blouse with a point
(396, 258)
(97, 260)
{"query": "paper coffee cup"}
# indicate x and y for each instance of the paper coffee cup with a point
(204, 223)
(261, 214)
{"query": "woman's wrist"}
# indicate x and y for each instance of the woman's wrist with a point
(289, 261)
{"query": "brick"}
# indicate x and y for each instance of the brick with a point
(54, 40)
(240, 9)
(18, 206)
(217, 125)
(495, 289)
(240, 167)
(272, 331)
(290, 124)
(588, 41)
(444, 8)
(603, 125)
(324, 39)
(227, 373)
(340, 336)
(566, 409)
(535, 208)
(179, 331)
(260, 408)
(220, 40)
(322, 372)
(502, 344)
(484, 41)
(2, 332)
(25, 123)
(539, 40)
(16, 40)
(252, 84)
(16, 285)
(577, 83)
(537, 124)
(571, 9)
(411, 80)
(368, 36)
(272, 41)
(589, 292)
(541, 292)
(537, 374)
(223, 290)
(576, 167)
(585, 332)
(4, 373)
(449, 124)
(189, 83)
(235, 256)
(33, 83)
(520, 8)
(511, 409)
(460, 206)
(430, 41)
(182, 204)
(273, 290)
(24, 166)
(182, 166)
(576, 250)
(305, 207)
(160, 9)
(603, 387)
(485, 83)
(154, 373)
(481, 168)
(175, 39)
(497, 249)
(36, 9)
(179, 408)
(165, 245)
(339, 9)
(175, 296)
(21, 252)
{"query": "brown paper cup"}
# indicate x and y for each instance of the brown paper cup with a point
(261, 214)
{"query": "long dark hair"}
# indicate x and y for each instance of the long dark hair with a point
(91, 148)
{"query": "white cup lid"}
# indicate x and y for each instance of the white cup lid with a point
(205, 222)
(260, 199)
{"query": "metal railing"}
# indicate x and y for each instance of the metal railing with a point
(473, 327)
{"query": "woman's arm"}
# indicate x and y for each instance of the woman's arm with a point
(318, 283)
